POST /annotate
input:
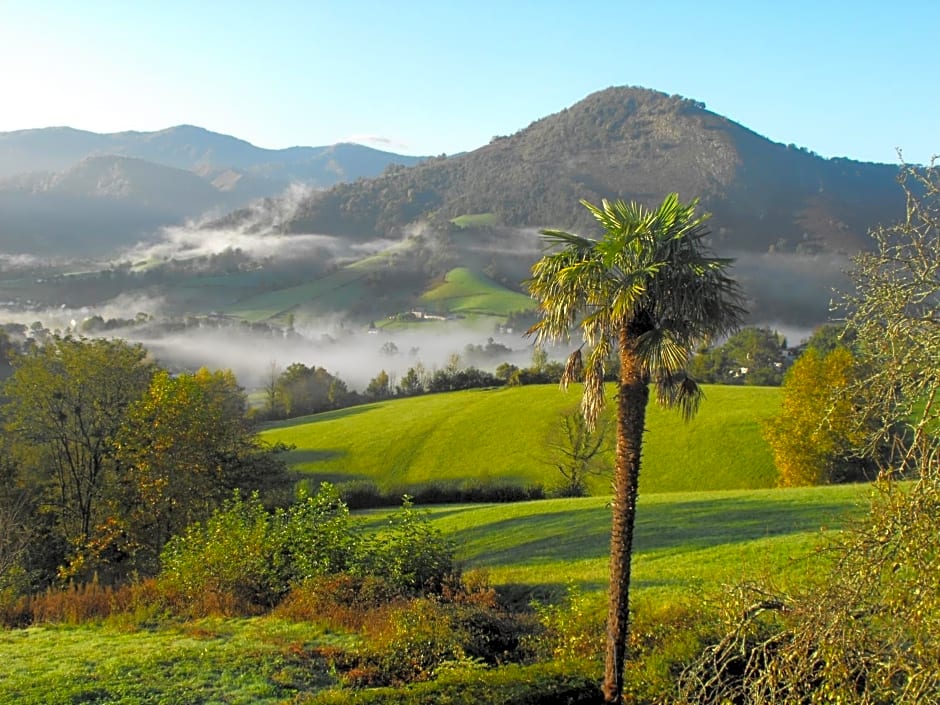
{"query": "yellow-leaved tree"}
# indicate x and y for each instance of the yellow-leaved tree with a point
(815, 435)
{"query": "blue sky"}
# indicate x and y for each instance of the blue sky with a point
(856, 79)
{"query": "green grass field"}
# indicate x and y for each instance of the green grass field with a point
(476, 220)
(329, 293)
(466, 291)
(489, 434)
(703, 525)
(238, 661)
(686, 542)
(463, 292)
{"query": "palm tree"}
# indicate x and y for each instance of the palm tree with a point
(649, 289)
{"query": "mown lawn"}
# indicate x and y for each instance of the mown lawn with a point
(236, 661)
(478, 436)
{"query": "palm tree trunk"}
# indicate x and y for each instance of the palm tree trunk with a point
(632, 397)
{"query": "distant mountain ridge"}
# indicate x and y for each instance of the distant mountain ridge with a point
(193, 149)
(76, 192)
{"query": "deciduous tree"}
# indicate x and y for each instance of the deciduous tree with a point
(867, 631)
(184, 445)
(575, 450)
(815, 436)
(65, 403)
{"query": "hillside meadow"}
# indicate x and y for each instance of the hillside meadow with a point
(483, 435)
(464, 291)
(686, 542)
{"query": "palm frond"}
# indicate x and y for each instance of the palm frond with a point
(574, 368)
(652, 274)
(681, 392)
(593, 401)
(664, 349)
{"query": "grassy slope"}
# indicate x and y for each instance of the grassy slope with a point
(331, 292)
(463, 291)
(501, 434)
(466, 291)
(686, 543)
(476, 220)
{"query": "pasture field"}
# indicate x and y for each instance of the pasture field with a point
(466, 291)
(686, 543)
(689, 546)
(330, 292)
(476, 220)
(238, 661)
(478, 436)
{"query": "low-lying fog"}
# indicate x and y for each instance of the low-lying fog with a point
(788, 292)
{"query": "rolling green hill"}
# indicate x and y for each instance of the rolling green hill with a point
(466, 291)
(500, 435)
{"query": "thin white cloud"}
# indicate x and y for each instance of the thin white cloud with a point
(377, 141)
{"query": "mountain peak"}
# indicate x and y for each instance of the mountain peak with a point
(632, 143)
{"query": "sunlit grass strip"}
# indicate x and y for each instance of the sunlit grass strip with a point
(234, 661)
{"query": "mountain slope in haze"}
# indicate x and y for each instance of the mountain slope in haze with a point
(98, 204)
(635, 144)
(69, 192)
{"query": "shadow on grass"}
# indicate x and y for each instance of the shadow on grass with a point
(582, 534)
(322, 416)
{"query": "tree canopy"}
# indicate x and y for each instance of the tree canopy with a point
(113, 455)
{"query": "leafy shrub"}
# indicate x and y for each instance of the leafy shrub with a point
(552, 683)
(274, 552)
(418, 640)
(316, 536)
(14, 609)
(410, 554)
(572, 628)
(342, 601)
(225, 565)
(281, 550)
(365, 494)
(409, 645)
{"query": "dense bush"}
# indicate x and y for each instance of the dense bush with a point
(553, 683)
(229, 564)
(410, 553)
(280, 550)
(571, 629)
(418, 640)
(366, 494)
(343, 601)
